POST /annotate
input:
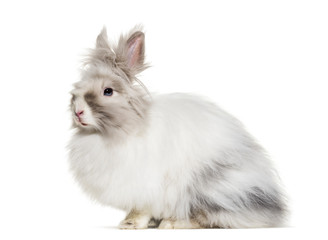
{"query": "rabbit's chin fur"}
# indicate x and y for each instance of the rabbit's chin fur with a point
(177, 157)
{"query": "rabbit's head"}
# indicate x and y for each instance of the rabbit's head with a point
(109, 97)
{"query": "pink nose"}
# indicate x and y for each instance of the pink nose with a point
(79, 113)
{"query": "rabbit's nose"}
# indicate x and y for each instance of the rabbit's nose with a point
(79, 113)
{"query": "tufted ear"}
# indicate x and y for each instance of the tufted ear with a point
(131, 52)
(102, 39)
(102, 52)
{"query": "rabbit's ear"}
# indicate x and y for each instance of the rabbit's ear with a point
(135, 50)
(130, 52)
(102, 52)
(102, 39)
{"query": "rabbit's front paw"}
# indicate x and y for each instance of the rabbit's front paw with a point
(135, 220)
(178, 224)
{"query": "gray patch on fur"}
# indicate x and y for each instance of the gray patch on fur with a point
(207, 176)
(258, 199)
(102, 114)
(254, 199)
(212, 173)
(91, 100)
(206, 205)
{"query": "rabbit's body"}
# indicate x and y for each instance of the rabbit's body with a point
(184, 161)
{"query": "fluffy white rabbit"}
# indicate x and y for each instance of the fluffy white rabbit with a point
(172, 161)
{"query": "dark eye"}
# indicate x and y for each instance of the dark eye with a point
(108, 92)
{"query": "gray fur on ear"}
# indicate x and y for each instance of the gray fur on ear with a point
(102, 53)
(130, 52)
(102, 39)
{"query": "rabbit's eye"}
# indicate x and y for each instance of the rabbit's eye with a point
(108, 92)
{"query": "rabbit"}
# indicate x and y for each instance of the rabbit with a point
(169, 160)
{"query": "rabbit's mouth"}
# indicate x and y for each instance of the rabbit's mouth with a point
(82, 123)
(79, 121)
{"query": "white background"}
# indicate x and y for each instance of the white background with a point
(263, 61)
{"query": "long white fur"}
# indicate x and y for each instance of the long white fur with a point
(151, 168)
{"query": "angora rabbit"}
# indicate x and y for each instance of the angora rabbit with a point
(169, 161)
